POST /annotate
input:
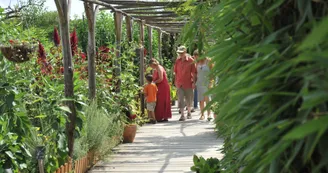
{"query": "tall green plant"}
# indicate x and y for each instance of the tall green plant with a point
(100, 133)
(271, 57)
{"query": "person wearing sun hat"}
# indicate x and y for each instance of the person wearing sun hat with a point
(185, 78)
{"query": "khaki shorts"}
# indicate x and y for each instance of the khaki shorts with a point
(151, 106)
(185, 97)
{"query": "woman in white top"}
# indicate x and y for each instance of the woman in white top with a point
(203, 82)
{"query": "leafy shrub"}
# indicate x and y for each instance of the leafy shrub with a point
(271, 57)
(210, 165)
(100, 133)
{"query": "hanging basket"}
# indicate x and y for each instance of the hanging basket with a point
(17, 53)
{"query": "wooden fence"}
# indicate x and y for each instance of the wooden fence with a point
(80, 166)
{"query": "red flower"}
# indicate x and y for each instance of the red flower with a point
(103, 53)
(132, 117)
(74, 42)
(11, 42)
(46, 67)
(83, 56)
(145, 51)
(41, 52)
(56, 37)
(104, 49)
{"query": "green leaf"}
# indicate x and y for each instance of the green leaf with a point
(255, 20)
(274, 6)
(307, 128)
(251, 97)
(10, 154)
(10, 99)
(314, 98)
(65, 108)
(317, 35)
(195, 159)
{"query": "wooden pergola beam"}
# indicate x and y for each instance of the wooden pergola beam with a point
(118, 17)
(155, 16)
(111, 7)
(127, 7)
(150, 41)
(138, 6)
(129, 29)
(148, 3)
(141, 65)
(163, 19)
(63, 9)
(91, 13)
(159, 44)
(166, 23)
(148, 12)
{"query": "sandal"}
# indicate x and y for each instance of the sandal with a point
(202, 117)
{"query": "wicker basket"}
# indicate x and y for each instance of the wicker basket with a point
(17, 53)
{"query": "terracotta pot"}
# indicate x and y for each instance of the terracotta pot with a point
(129, 133)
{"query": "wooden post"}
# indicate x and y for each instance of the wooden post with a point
(129, 28)
(165, 46)
(150, 42)
(160, 45)
(63, 8)
(142, 66)
(40, 153)
(117, 62)
(41, 168)
(91, 17)
(172, 53)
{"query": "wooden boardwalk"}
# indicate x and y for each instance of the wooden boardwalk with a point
(164, 147)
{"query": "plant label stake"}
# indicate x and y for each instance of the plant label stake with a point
(40, 150)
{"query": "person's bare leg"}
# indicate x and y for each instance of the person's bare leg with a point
(149, 114)
(153, 115)
(207, 100)
(201, 104)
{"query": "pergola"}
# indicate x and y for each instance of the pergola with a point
(151, 14)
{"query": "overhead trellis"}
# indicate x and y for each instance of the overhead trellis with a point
(155, 14)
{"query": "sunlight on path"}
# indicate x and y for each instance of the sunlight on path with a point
(165, 147)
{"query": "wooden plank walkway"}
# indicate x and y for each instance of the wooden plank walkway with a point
(164, 147)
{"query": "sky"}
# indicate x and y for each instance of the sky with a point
(77, 7)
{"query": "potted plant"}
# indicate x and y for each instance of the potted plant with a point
(130, 128)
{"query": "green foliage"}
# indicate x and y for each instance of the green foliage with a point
(32, 102)
(173, 92)
(271, 57)
(101, 132)
(210, 165)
